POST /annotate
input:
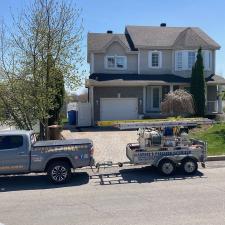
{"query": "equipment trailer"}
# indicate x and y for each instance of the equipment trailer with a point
(166, 145)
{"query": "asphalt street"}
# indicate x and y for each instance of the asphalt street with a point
(116, 196)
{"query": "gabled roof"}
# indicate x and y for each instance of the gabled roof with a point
(98, 41)
(169, 37)
(168, 78)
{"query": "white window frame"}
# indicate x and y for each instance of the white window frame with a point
(207, 61)
(115, 66)
(206, 55)
(176, 60)
(159, 58)
(191, 51)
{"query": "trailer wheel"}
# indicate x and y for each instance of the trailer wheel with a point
(59, 172)
(189, 166)
(166, 167)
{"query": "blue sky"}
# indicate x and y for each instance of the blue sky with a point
(103, 15)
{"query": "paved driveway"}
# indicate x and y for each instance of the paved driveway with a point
(109, 144)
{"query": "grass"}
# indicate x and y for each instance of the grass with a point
(215, 137)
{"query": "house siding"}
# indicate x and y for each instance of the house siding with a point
(166, 62)
(112, 92)
(116, 49)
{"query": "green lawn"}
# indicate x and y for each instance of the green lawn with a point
(215, 137)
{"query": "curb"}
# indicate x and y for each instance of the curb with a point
(216, 158)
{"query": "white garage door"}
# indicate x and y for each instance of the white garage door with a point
(118, 108)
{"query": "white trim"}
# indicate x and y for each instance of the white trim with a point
(139, 63)
(159, 59)
(92, 65)
(115, 57)
(91, 100)
(144, 99)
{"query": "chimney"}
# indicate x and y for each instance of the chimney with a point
(109, 32)
(163, 25)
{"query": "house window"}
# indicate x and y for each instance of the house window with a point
(116, 62)
(207, 59)
(191, 59)
(179, 61)
(155, 59)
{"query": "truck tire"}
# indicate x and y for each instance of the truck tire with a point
(167, 167)
(59, 172)
(189, 166)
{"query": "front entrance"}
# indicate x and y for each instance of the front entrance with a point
(153, 98)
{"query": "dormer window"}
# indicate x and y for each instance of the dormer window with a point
(155, 59)
(116, 62)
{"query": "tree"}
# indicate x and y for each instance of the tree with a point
(198, 85)
(40, 53)
(178, 103)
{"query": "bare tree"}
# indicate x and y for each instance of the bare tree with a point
(45, 41)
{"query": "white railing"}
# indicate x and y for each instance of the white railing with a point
(212, 106)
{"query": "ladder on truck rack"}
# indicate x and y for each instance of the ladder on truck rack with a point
(184, 123)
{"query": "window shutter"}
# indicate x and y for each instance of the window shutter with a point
(160, 59)
(178, 60)
(150, 59)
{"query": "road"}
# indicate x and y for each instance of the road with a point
(120, 196)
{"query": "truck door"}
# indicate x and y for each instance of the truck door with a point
(14, 154)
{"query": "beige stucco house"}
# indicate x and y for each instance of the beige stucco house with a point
(131, 73)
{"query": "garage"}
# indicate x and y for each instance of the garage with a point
(118, 109)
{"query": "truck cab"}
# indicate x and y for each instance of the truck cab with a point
(15, 147)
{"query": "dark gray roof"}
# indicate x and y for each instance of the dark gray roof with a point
(169, 78)
(181, 37)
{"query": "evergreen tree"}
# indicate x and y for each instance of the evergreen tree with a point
(198, 85)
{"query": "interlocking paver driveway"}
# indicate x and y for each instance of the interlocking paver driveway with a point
(109, 144)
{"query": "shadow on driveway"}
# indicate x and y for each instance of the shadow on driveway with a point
(38, 181)
(140, 175)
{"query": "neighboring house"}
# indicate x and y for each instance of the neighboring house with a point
(132, 72)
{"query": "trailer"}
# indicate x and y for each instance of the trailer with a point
(166, 145)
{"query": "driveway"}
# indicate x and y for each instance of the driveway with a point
(109, 144)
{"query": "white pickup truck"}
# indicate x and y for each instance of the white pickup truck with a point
(21, 153)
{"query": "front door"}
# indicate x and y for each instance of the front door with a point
(155, 98)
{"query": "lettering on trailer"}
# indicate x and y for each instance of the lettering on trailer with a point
(153, 155)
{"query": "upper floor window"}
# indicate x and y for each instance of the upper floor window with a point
(191, 59)
(155, 59)
(116, 62)
(185, 59)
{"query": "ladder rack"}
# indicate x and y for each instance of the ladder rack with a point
(184, 123)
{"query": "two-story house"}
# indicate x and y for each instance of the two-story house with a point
(131, 73)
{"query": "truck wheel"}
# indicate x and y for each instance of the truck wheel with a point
(166, 167)
(189, 166)
(59, 172)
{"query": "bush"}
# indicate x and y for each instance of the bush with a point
(178, 103)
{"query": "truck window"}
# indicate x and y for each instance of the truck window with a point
(10, 142)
